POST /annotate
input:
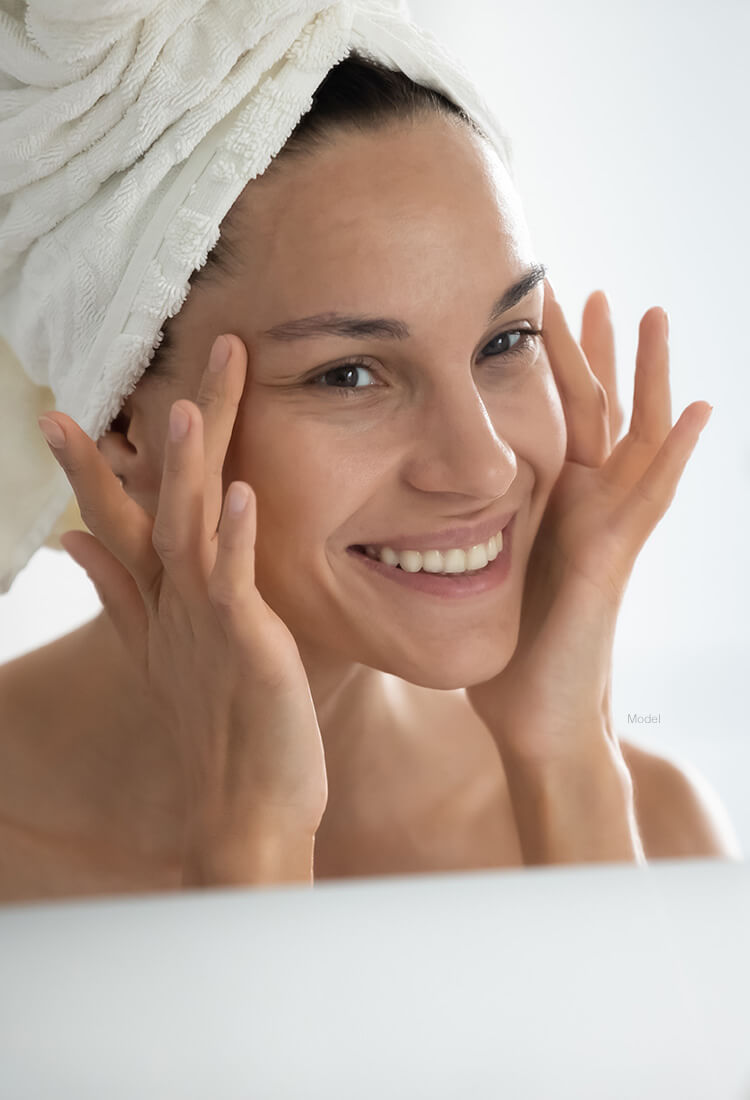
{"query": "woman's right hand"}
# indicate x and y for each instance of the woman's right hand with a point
(222, 669)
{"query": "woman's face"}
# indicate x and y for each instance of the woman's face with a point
(444, 426)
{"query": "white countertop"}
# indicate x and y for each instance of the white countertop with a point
(604, 982)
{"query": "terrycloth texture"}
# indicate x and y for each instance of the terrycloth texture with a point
(127, 130)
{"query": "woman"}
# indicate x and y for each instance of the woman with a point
(269, 702)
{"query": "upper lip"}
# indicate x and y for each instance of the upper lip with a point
(450, 537)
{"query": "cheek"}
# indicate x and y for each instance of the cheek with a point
(534, 425)
(307, 484)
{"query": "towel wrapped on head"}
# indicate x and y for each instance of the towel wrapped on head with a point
(128, 128)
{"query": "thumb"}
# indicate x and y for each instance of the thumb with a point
(114, 586)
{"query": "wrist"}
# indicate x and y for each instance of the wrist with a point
(574, 808)
(261, 853)
(595, 751)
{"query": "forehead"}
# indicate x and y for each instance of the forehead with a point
(400, 201)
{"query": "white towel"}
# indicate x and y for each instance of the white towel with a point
(127, 130)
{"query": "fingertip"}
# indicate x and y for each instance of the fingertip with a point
(603, 298)
(708, 409)
(221, 352)
(238, 496)
(655, 313)
(180, 421)
(64, 543)
(238, 347)
(52, 432)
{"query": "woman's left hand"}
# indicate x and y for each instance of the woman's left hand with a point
(552, 702)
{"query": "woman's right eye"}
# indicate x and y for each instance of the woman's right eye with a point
(342, 372)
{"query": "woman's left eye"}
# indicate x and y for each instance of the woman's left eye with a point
(527, 338)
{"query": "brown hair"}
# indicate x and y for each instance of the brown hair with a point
(358, 93)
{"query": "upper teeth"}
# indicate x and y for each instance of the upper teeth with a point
(441, 561)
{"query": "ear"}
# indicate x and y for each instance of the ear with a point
(129, 449)
(113, 442)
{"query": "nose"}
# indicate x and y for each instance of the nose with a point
(458, 450)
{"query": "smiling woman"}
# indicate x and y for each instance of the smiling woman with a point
(396, 655)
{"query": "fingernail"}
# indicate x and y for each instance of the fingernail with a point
(237, 498)
(606, 302)
(707, 417)
(51, 431)
(179, 422)
(219, 354)
(666, 323)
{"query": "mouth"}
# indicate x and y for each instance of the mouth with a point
(368, 552)
(438, 554)
(443, 583)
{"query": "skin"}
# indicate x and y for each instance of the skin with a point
(440, 431)
(420, 222)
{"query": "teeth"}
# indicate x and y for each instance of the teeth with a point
(440, 561)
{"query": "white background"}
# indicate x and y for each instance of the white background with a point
(629, 130)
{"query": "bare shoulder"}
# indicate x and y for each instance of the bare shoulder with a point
(17, 677)
(680, 814)
(45, 695)
(32, 684)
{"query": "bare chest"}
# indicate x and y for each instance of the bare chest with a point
(471, 827)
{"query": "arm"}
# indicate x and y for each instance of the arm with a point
(576, 809)
(659, 810)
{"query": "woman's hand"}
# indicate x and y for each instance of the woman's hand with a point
(597, 342)
(550, 706)
(222, 669)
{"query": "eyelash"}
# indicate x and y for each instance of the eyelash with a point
(528, 334)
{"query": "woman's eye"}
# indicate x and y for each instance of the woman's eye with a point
(341, 374)
(527, 339)
(346, 372)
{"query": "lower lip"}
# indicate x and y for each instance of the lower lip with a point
(451, 586)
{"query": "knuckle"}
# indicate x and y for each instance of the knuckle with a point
(223, 594)
(174, 461)
(655, 501)
(209, 397)
(231, 598)
(68, 461)
(215, 468)
(643, 492)
(165, 542)
(91, 512)
(74, 467)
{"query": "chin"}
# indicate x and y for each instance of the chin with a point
(454, 673)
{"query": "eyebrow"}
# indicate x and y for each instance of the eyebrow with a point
(356, 326)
